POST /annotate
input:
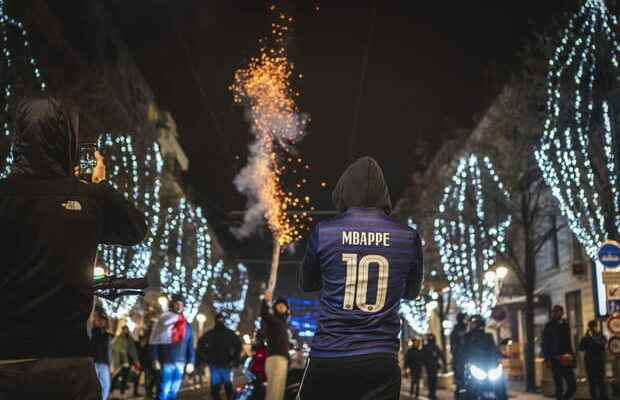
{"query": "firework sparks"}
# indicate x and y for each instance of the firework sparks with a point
(264, 88)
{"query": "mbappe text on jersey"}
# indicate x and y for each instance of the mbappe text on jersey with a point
(355, 238)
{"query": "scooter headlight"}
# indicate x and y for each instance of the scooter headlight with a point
(496, 373)
(477, 373)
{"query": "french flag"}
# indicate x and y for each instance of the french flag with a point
(170, 329)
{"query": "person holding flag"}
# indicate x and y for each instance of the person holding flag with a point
(172, 349)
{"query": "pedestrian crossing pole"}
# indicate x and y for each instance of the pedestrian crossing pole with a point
(275, 262)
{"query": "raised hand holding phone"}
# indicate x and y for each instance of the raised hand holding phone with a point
(99, 173)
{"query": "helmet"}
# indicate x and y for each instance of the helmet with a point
(477, 321)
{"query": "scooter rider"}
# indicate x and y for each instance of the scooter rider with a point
(481, 350)
(457, 348)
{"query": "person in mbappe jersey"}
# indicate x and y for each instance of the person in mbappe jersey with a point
(363, 262)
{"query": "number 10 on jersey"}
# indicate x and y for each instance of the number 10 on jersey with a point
(356, 285)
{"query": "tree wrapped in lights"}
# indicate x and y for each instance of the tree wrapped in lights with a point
(185, 250)
(470, 232)
(137, 177)
(578, 152)
(417, 313)
(18, 70)
(228, 290)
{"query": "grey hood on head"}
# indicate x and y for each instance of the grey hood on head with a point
(362, 185)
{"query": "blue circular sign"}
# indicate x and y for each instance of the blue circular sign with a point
(609, 254)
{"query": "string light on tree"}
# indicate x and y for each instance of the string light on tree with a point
(418, 312)
(470, 233)
(228, 290)
(185, 251)
(578, 152)
(138, 179)
(17, 64)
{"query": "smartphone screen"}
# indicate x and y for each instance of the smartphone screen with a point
(88, 161)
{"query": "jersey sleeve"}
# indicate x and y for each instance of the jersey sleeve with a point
(310, 270)
(416, 272)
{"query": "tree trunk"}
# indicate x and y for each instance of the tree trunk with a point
(442, 317)
(530, 365)
(530, 285)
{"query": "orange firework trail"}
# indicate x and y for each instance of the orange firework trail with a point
(264, 88)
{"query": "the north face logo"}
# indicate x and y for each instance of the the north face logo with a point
(72, 205)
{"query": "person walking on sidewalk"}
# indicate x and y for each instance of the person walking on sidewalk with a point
(457, 348)
(221, 349)
(172, 349)
(594, 344)
(276, 331)
(432, 356)
(124, 354)
(414, 360)
(102, 352)
(557, 349)
(144, 355)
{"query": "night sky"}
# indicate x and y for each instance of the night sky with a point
(431, 68)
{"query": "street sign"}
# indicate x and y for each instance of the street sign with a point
(614, 345)
(611, 277)
(613, 306)
(613, 292)
(609, 254)
(613, 323)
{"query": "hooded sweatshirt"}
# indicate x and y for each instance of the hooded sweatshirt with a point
(220, 347)
(51, 225)
(364, 263)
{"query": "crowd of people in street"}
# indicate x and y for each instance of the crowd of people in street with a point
(167, 354)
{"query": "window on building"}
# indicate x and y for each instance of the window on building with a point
(580, 261)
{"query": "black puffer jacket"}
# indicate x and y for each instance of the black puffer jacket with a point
(219, 347)
(51, 225)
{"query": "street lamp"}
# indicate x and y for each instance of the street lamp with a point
(98, 271)
(501, 272)
(201, 318)
(163, 302)
(246, 339)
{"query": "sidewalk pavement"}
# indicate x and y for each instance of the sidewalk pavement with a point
(516, 391)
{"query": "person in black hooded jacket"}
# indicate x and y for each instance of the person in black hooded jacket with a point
(364, 263)
(51, 225)
(220, 348)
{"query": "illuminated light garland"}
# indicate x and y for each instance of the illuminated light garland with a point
(185, 250)
(470, 235)
(418, 312)
(264, 88)
(578, 148)
(8, 25)
(138, 179)
(229, 287)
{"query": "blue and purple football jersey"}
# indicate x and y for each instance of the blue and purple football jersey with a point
(364, 263)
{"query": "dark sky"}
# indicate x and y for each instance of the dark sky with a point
(431, 67)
